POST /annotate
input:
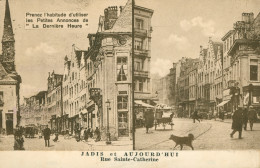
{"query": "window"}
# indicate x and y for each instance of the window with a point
(139, 23)
(138, 44)
(122, 102)
(148, 85)
(253, 69)
(123, 124)
(1, 98)
(121, 68)
(137, 66)
(141, 85)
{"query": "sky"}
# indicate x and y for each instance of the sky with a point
(41, 51)
(181, 26)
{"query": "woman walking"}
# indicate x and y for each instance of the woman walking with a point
(237, 123)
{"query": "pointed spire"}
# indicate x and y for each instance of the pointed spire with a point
(8, 29)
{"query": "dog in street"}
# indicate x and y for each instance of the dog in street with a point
(183, 140)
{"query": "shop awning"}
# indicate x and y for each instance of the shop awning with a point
(139, 102)
(223, 103)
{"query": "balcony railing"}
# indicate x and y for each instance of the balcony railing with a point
(140, 32)
(139, 73)
(141, 52)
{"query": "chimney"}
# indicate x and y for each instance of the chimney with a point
(248, 17)
(49, 74)
(121, 8)
(210, 38)
(110, 14)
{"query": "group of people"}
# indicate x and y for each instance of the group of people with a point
(241, 117)
(80, 134)
(85, 134)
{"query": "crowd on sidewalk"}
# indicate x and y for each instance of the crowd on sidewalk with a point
(81, 134)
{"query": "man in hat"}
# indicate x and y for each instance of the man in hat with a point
(237, 123)
(47, 134)
(251, 116)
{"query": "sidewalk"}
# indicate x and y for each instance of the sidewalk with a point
(115, 145)
(70, 144)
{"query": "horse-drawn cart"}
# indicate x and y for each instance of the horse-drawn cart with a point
(163, 116)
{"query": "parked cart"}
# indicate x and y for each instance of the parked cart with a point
(163, 116)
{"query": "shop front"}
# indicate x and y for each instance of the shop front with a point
(251, 96)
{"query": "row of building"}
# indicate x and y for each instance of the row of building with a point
(95, 90)
(225, 75)
(10, 80)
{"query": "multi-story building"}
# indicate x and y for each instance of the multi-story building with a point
(183, 88)
(10, 80)
(210, 76)
(34, 111)
(108, 74)
(241, 60)
(142, 53)
(163, 89)
(74, 92)
(54, 100)
(193, 74)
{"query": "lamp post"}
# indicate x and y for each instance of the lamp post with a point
(108, 133)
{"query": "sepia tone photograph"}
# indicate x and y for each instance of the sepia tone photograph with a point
(197, 74)
(66, 76)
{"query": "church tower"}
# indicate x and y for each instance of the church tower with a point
(8, 42)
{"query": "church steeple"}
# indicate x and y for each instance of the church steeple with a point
(8, 41)
(8, 29)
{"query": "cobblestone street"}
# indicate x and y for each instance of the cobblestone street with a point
(36, 144)
(209, 135)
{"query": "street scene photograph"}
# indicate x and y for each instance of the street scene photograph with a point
(197, 75)
(65, 75)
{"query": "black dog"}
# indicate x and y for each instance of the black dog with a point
(183, 140)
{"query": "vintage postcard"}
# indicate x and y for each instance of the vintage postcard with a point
(197, 73)
(143, 83)
(66, 75)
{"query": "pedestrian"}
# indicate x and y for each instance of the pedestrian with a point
(195, 116)
(18, 143)
(215, 114)
(245, 118)
(149, 120)
(237, 123)
(86, 134)
(56, 136)
(46, 134)
(82, 130)
(97, 135)
(252, 116)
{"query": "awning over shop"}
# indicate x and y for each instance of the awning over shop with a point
(223, 103)
(139, 102)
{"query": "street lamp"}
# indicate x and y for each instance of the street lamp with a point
(108, 133)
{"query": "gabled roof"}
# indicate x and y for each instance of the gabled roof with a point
(215, 47)
(227, 34)
(4, 76)
(124, 21)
